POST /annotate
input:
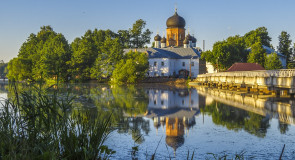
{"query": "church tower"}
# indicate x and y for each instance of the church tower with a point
(175, 30)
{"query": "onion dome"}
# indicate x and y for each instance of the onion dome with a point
(194, 40)
(175, 141)
(185, 41)
(189, 37)
(157, 38)
(163, 40)
(175, 21)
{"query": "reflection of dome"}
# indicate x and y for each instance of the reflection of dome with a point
(163, 40)
(157, 38)
(174, 141)
(175, 21)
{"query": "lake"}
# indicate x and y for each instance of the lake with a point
(175, 120)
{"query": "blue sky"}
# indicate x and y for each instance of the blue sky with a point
(209, 20)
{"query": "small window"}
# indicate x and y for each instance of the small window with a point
(162, 102)
(155, 102)
(162, 63)
(182, 102)
(193, 64)
(155, 63)
(183, 63)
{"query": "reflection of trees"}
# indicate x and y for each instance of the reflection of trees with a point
(93, 101)
(237, 119)
(134, 126)
(283, 127)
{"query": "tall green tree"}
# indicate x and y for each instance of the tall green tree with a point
(272, 61)
(124, 38)
(259, 34)
(138, 36)
(257, 54)
(111, 53)
(40, 56)
(285, 45)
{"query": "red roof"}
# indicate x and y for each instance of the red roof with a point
(245, 67)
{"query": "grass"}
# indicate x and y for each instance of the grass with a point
(39, 125)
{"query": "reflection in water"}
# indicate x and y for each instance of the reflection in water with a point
(141, 112)
(176, 109)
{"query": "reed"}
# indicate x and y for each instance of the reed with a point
(37, 124)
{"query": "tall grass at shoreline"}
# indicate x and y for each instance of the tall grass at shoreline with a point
(38, 125)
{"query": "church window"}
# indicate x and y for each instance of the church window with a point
(193, 64)
(182, 102)
(155, 102)
(162, 102)
(180, 37)
(174, 37)
(162, 63)
(155, 63)
(183, 63)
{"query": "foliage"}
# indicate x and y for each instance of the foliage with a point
(272, 61)
(86, 50)
(3, 69)
(257, 54)
(227, 52)
(20, 69)
(258, 35)
(138, 37)
(285, 45)
(131, 68)
(44, 55)
(111, 54)
(237, 119)
(37, 125)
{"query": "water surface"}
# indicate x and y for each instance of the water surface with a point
(172, 120)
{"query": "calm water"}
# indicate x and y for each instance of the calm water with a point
(174, 120)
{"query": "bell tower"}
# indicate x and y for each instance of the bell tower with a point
(175, 30)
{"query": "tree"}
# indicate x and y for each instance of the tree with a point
(111, 54)
(54, 59)
(138, 37)
(285, 45)
(131, 68)
(87, 50)
(227, 52)
(44, 55)
(257, 54)
(273, 62)
(259, 34)
(20, 69)
(124, 38)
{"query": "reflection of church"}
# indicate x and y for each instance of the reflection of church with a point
(174, 110)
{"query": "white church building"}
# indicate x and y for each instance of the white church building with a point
(176, 55)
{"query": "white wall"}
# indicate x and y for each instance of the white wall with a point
(172, 65)
(166, 99)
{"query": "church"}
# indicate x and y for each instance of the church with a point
(175, 55)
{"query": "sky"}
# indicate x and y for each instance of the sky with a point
(209, 20)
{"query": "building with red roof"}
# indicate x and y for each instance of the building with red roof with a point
(245, 67)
